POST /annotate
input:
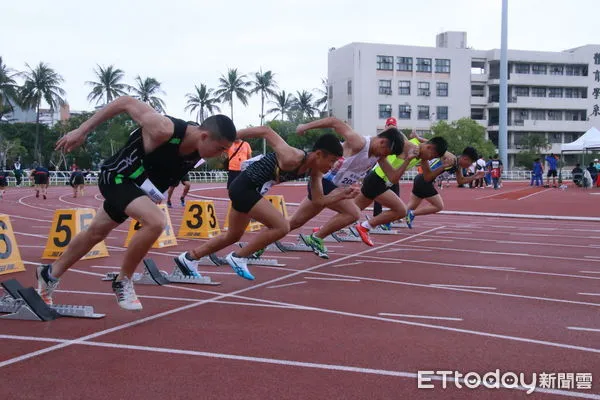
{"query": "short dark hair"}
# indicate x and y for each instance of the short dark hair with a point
(395, 138)
(471, 153)
(330, 143)
(441, 146)
(220, 126)
(537, 159)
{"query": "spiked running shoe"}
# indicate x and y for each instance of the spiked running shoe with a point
(364, 234)
(316, 244)
(410, 217)
(188, 267)
(126, 296)
(46, 285)
(240, 266)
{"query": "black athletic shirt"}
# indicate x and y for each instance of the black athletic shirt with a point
(164, 166)
(267, 170)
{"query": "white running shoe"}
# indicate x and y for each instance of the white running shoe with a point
(188, 267)
(240, 266)
(46, 285)
(126, 296)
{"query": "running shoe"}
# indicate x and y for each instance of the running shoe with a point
(187, 266)
(316, 244)
(125, 293)
(410, 217)
(364, 234)
(240, 266)
(46, 284)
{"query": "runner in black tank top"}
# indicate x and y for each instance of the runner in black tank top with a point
(155, 156)
(285, 164)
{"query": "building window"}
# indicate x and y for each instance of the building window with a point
(442, 113)
(477, 90)
(557, 69)
(477, 114)
(555, 92)
(349, 112)
(521, 115)
(538, 69)
(404, 111)
(575, 93)
(575, 115)
(538, 92)
(555, 115)
(404, 63)
(423, 64)
(385, 111)
(423, 89)
(442, 89)
(521, 91)
(521, 68)
(576, 70)
(385, 63)
(423, 132)
(554, 137)
(349, 87)
(385, 86)
(423, 112)
(404, 88)
(538, 115)
(442, 65)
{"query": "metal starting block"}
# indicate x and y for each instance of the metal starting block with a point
(284, 247)
(26, 304)
(153, 276)
(375, 231)
(346, 235)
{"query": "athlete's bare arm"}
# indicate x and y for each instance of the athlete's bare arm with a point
(156, 127)
(352, 139)
(288, 157)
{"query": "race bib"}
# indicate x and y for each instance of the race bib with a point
(265, 188)
(246, 164)
(152, 192)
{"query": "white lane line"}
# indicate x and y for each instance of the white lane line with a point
(577, 328)
(420, 316)
(347, 264)
(590, 272)
(589, 294)
(533, 194)
(380, 262)
(433, 240)
(332, 279)
(286, 284)
(594, 257)
(463, 286)
(503, 253)
(404, 249)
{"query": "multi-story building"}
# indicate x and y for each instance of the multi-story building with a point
(555, 94)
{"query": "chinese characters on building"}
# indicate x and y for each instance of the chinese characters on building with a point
(596, 90)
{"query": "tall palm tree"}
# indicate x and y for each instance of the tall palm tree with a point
(202, 101)
(108, 84)
(322, 98)
(304, 104)
(233, 85)
(8, 88)
(266, 85)
(147, 90)
(283, 104)
(41, 83)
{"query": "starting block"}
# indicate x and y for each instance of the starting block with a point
(346, 235)
(216, 260)
(284, 247)
(153, 276)
(375, 231)
(26, 304)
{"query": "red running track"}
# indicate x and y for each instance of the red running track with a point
(455, 293)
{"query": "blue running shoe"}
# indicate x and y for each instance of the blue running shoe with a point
(410, 217)
(240, 266)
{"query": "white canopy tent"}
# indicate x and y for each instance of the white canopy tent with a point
(588, 141)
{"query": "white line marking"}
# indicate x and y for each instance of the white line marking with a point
(576, 328)
(330, 367)
(589, 294)
(380, 262)
(433, 240)
(592, 257)
(347, 264)
(524, 216)
(533, 194)
(420, 316)
(332, 279)
(463, 286)
(405, 249)
(590, 272)
(286, 284)
(503, 253)
(199, 303)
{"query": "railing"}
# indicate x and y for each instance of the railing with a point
(61, 178)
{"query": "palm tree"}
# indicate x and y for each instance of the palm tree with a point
(8, 88)
(203, 101)
(233, 84)
(304, 104)
(322, 91)
(147, 90)
(108, 84)
(266, 85)
(283, 104)
(41, 83)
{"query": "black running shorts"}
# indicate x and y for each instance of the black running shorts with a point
(328, 187)
(373, 185)
(117, 197)
(551, 172)
(423, 189)
(243, 193)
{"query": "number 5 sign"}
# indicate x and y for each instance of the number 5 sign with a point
(10, 258)
(65, 225)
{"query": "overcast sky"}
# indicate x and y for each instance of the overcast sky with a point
(183, 43)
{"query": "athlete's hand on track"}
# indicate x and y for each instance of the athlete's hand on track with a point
(71, 140)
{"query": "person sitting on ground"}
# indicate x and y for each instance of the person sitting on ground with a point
(577, 173)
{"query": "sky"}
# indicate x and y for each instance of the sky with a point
(183, 43)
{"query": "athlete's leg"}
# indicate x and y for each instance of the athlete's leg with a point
(397, 209)
(436, 204)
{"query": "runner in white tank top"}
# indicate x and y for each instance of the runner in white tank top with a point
(360, 155)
